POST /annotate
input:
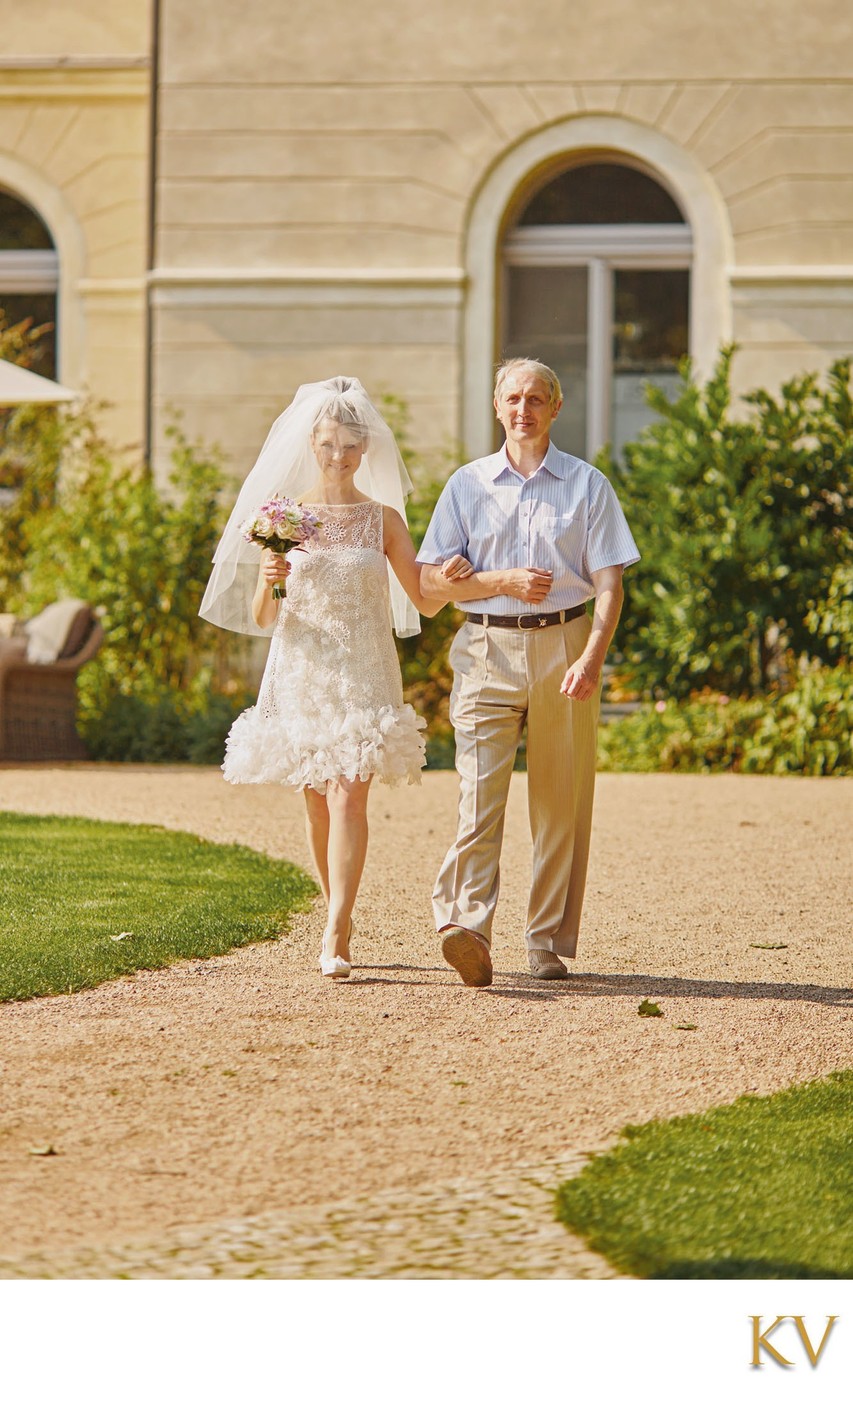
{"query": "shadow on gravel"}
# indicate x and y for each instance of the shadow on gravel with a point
(416, 970)
(588, 983)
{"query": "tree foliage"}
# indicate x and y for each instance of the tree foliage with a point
(744, 523)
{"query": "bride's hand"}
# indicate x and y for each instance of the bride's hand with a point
(274, 568)
(456, 568)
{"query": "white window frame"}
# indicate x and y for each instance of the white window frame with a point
(601, 249)
(66, 277)
(29, 271)
(692, 187)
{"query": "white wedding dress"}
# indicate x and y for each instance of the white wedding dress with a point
(331, 698)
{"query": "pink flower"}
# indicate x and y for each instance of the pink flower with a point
(723, 699)
(660, 706)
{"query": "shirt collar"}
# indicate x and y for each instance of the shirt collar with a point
(553, 462)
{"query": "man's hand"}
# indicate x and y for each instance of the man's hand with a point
(584, 676)
(527, 583)
(455, 580)
(581, 680)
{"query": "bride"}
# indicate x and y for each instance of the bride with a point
(330, 713)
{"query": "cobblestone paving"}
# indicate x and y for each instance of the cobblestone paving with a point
(500, 1227)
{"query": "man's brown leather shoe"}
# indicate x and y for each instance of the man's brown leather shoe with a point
(547, 966)
(468, 954)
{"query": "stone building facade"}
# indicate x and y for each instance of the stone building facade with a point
(75, 86)
(406, 192)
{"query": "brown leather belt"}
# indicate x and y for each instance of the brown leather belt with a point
(527, 621)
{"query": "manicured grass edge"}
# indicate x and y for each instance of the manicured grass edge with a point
(250, 899)
(758, 1188)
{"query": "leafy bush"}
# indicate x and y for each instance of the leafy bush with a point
(88, 522)
(805, 731)
(141, 556)
(743, 521)
(130, 728)
(809, 730)
(164, 727)
(424, 664)
(208, 726)
(831, 619)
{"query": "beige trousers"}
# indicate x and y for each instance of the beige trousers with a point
(503, 678)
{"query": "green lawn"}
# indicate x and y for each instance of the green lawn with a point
(760, 1189)
(70, 886)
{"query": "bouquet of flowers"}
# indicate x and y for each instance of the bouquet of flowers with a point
(278, 524)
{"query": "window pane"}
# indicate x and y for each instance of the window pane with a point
(650, 336)
(21, 227)
(547, 320)
(41, 307)
(602, 193)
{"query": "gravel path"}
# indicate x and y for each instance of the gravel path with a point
(241, 1117)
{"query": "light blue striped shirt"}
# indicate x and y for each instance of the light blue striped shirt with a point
(564, 518)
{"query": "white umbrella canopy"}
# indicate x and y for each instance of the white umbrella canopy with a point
(20, 387)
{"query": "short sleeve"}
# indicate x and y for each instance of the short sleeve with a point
(446, 535)
(609, 541)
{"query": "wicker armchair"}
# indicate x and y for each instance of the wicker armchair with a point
(38, 701)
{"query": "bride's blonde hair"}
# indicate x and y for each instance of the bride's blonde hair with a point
(340, 411)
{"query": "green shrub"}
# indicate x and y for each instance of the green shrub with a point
(87, 522)
(131, 728)
(805, 731)
(831, 619)
(743, 520)
(424, 663)
(168, 726)
(424, 659)
(207, 727)
(139, 554)
(809, 731)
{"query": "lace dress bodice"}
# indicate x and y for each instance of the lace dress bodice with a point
(331, 699)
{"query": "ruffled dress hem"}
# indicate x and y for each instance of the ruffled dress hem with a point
(360, 744)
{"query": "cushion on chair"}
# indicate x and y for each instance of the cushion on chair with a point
(78, 633)
(50, 634)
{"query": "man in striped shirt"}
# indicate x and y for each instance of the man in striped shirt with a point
(544, 533)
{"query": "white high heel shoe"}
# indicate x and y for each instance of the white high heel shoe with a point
(335, 966)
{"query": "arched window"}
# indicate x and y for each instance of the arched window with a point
(596, 282)
(29, 275)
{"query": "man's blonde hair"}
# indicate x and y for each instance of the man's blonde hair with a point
(539, 369)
